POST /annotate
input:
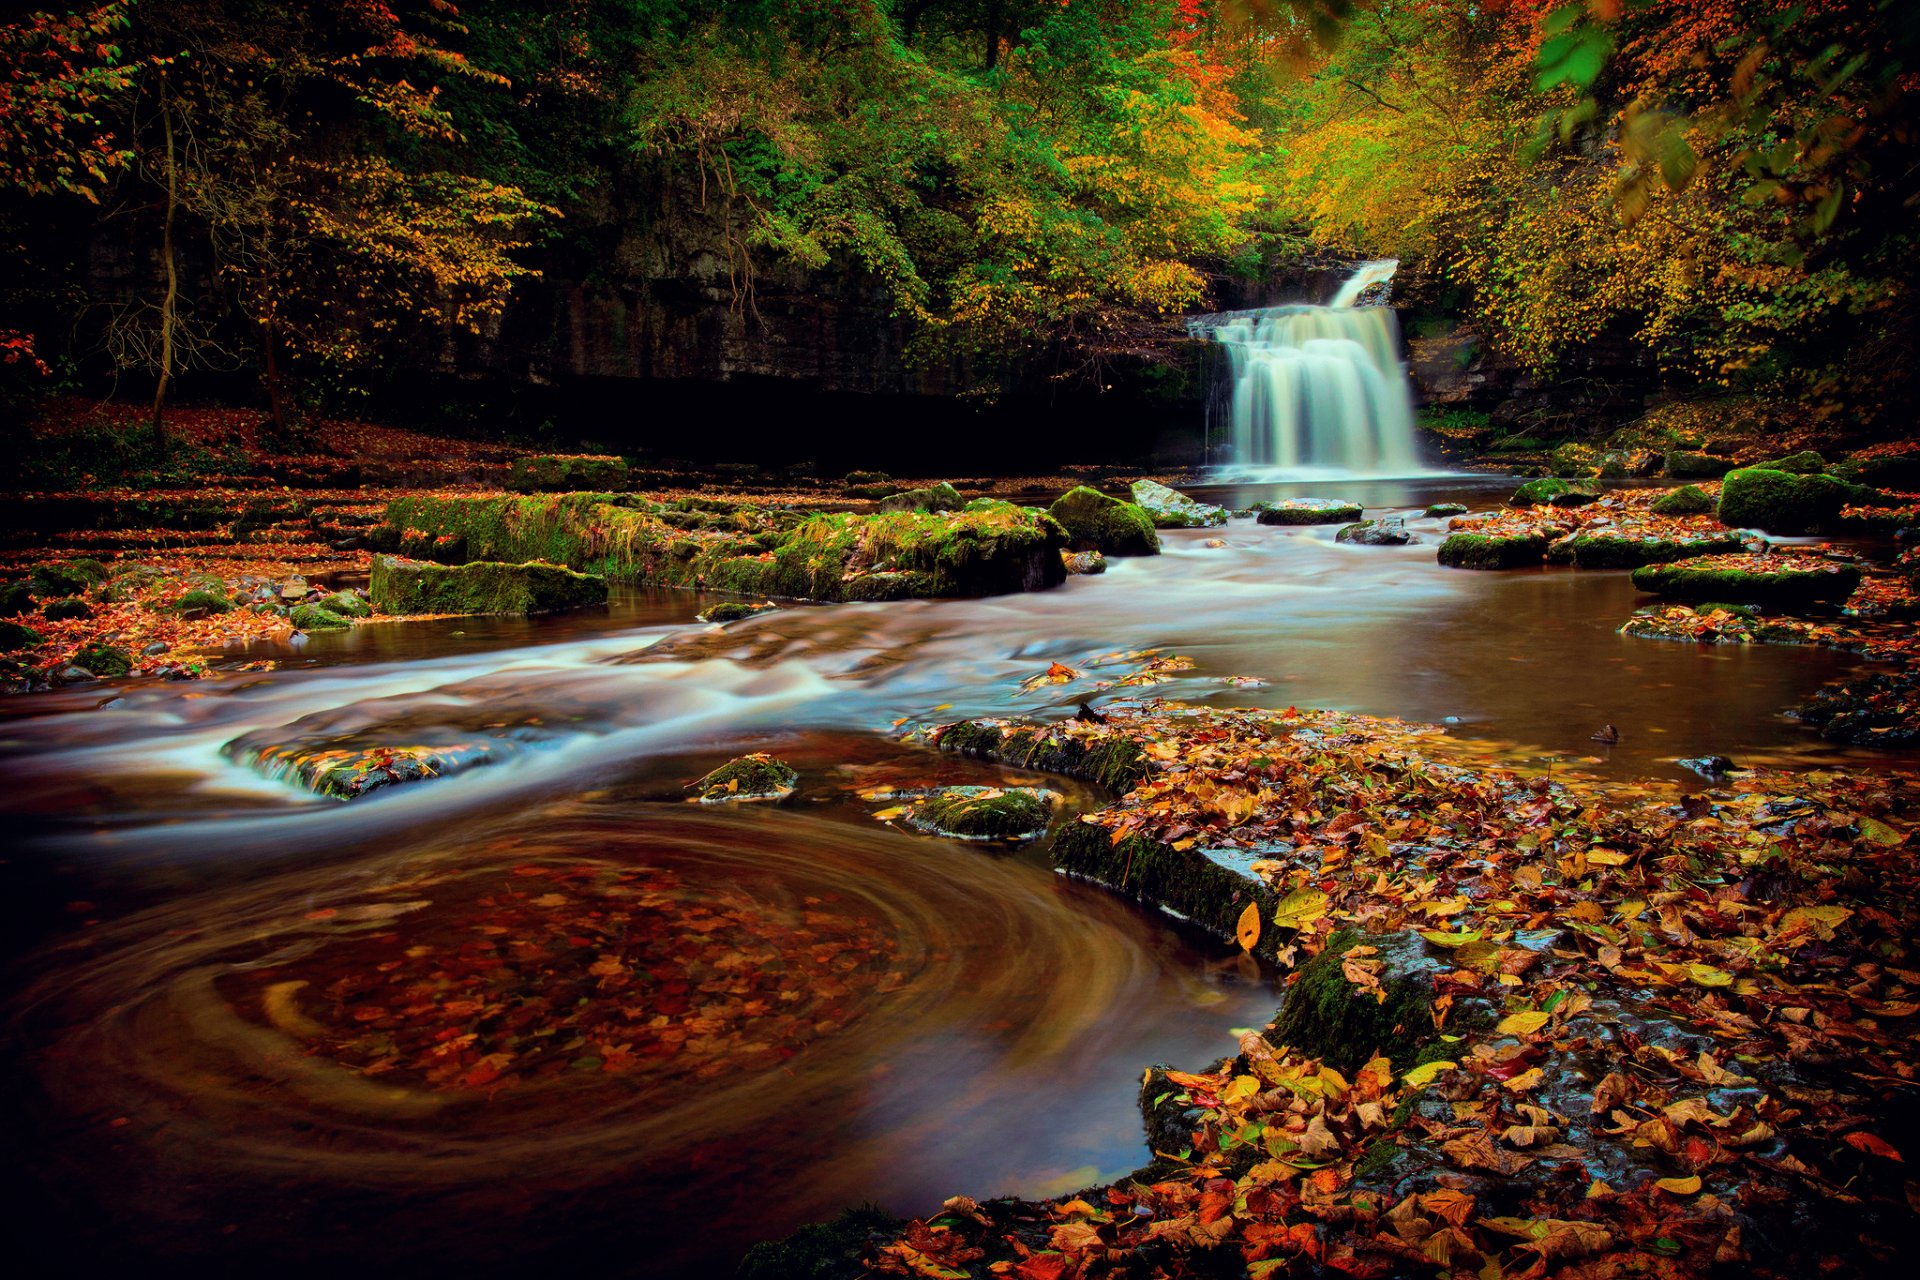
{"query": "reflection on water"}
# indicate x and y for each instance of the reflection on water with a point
(190, 1064)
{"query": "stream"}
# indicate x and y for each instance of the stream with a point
(959, 1019)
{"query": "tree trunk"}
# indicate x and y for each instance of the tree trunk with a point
(993, 34)
(169, 302)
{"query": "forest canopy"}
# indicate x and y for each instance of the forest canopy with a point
(311, 193)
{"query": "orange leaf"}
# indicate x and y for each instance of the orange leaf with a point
(1248, 930)
(1873, 1146)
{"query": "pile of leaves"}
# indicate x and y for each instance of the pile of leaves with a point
(1671, 1033)
(575, 970)
(1625, 513)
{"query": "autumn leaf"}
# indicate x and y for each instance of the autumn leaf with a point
(1423, 1075)
(1522, 1024)
(1248, 930)
(1863, 1141)
(1300, 908)
(1686, 1186)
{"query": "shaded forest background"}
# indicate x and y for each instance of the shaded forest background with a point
(499, 216)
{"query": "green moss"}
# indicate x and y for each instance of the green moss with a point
(405, 586)
(986, 813)
(1552, 491)
(1781, 501)
(201, 600)
(1440, 509)
(1305, 511)
(71, 579)
(347, 605)
(938, 497)
(1608, 550)
(104, 659)
(66, 608)
(549, 473)
(753, 777)
(1212, 896)
(1687, 500)
(15, 637)
(823, 1251)
(1112, 760)
(1096, 522)
(1782, 588)
(1572, 460)
(1489, 551)
(1683, 465)
(316, 617)
(1804, 463)
(1326, 1016)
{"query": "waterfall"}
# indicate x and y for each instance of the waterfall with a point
(1317, 389)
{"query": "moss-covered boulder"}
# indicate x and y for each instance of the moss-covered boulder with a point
(15, 637)
(103, 659)
(349, 769)
(1623, 549)
(1893, 466)
(937, 497)
(1553, 491)
(1440, 510)
(984, 813)
(69, 579)
(1493, 551)
(1096, 522)
(1389, 532)
(1171, 509)
(1781, 501)
(567, 473)
(129, 581)
(1687, 500)
(1804, 463)
(317, 617)
(201, 601)
(1083, 562)
(408, 586)
(347, 604)
(1307, 511)
(66, 609)
(1113, 760)
(751, 777)
(1572, 460)
(1781, 582)
(1683, 465)
(16, 598)
(1211, 891)
(1325, 1015)
(733, 611)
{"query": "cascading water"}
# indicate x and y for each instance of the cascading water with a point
(1317, 389)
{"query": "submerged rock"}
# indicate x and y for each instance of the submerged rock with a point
(1493, 551)
(749, 778)
(1301, 511)
(1084, 562)
(1388, 532)
(409, 586)
(1171, 509)
(1095, 521)
(733, 611)
(1782, 582)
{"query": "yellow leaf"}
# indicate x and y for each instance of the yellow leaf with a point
(1522, 1024)
(1606, 857)
(1708, 976)
(1450, 940)
(1680, 1186)
(1300, 908)
(1248, 931)
(1423, 1074)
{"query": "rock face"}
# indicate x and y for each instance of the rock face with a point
(1783, 502)
(408, 586)
(1096, 522)
(1782, 582)
(1171, 509)
(1493, 551)
(567, 473)
(1390, 532)
(1303, 511)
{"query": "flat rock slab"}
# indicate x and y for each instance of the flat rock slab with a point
(1294, 511)
(1171, 509)
(1779, 581)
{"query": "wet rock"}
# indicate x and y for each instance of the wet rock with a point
(1615, 549)
(1786, 584)
(1682, 465)
(1171, 509)
(1096, 522)
(1781, 502)
(104, 659)
(1084, 562)
(408, 586)
(1388, 532)
(71, 578)
(200, 602)
(1687, 500)
(1305, 511)
(348, 772)
(66, 609)
(1493, 551)
(16, 598)
(749, 778)
(733, 611)
(983, 813)
(1440, 509)
(155, 649)
(567, 473)
(1325, 1015)
(1214, 543)
(313, 617)
(73, 674)
(347, 604)
(1877, 710)
(294, 589)
(1710, 767)
(14, 637)
(939, 497)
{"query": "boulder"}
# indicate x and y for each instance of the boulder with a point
(1305, 511)
(1388, 532)
(984, 813)
(751, 777)
(347, 604)
(938, 497)
(1687, 500)
(1804, 463)
(201, 601)
(1619, 549)
(1493, 551)
(567, 473)
(1782, 502)
(1782, 582)
(1554, 492)
(1682, 465)
(1324, 1015)
(104, 659)
(66, 609)
(1171, 509)
(316, 617)
(1096, 522)
(15, 637)
(1084, 562)
(733, 611)
(1441, 509)
(70, 579)
(409, 586)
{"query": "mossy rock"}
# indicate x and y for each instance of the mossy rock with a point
(1390, 532)
(1571, 460)
(985, 813)
(1113, 760)
(1552, 492)
(1307, 511)
(1095, 521)
(1324, 1015)
(1802, 585)
(1493, 551)
(347, 604)
(866, 477)
(1687, 500)
(752, 777)
(1804, 463)
(871, 492)
(1441, 509)
(129, 581)
(833, 1250)
(732, 611)
(66, 609)
(103, 659)
(1171, 509)
(1616, 550)
(567, 473)
(1083, 562)
(1897, 469)
(938, 497)
(1211, 893)
(201, 600)
(14, 637)
(50, 581)
(317, 617)
(1781, 502)
(16, 598)
(346, 769)
(407, 586)
(1684, 465)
